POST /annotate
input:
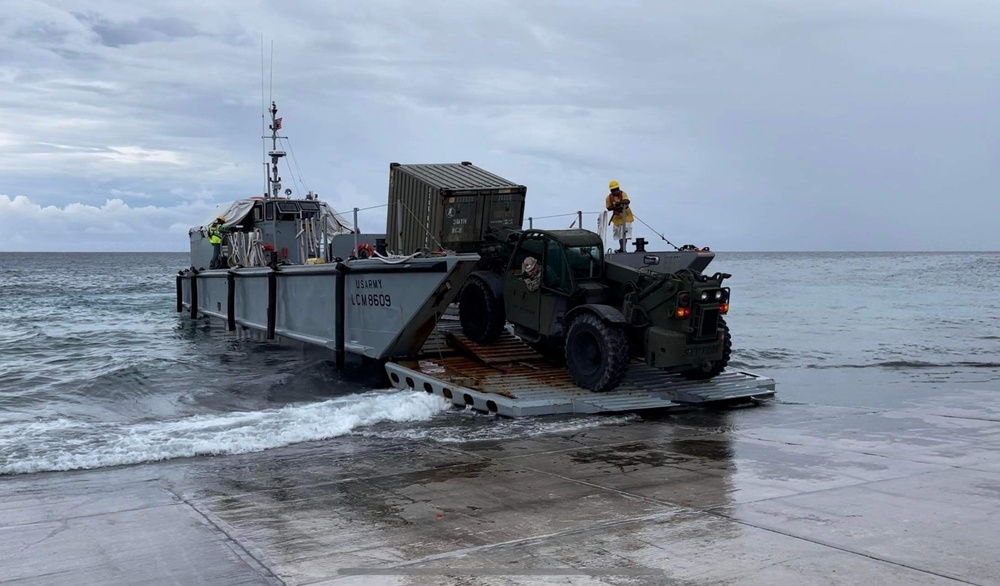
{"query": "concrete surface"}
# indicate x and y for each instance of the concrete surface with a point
(778, 494)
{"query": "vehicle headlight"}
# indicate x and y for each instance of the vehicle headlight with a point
(704, 295)
(718, 295)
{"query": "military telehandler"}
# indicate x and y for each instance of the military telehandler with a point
(563, 298)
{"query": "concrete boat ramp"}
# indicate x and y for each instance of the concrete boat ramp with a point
(510, 379)
(779, 494)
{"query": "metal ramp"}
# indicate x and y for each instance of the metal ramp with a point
(509, 378)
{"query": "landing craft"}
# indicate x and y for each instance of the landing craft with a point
(294, 268)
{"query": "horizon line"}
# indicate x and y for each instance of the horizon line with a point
(716, 251)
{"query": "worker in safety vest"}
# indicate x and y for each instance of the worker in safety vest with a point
(621, 214)
(215, 237)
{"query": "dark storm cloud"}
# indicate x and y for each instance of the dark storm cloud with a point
(140, 30)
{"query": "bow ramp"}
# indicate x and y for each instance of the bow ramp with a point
(511, 379)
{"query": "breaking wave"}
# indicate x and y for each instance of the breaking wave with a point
(912, 364)
(815, 359)
(66, 444)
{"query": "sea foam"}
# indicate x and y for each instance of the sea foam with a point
(65, 444)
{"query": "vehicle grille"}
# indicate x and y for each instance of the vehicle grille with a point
(706, 321)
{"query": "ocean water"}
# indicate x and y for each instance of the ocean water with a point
(97, 368)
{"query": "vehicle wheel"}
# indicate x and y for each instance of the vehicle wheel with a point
(715, 367)
(596, 353)
(480, 312)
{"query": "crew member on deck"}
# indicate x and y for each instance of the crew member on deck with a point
(215, 237)
(621, 214)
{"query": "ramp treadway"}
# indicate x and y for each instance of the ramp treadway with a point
(511, 379)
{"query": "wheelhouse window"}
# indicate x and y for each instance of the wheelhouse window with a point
(287, 211)
(309, 209)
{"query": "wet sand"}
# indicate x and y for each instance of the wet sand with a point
(784, 493)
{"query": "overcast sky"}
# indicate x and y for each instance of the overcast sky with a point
(769, 125)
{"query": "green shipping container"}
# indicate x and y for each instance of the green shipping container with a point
(448, 206)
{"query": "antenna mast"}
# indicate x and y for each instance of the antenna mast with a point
(274, 181)
(263, 110)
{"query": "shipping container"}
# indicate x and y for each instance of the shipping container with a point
(448, 206)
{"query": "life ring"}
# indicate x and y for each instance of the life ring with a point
(364, 250)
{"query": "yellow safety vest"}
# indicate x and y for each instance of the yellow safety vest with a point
(617, 219)
(215, 234)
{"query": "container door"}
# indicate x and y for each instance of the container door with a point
(504, 210)
(461, 220)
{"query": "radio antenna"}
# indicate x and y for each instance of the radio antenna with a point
(263, 114)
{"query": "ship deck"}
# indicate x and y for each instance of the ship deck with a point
(509, 378)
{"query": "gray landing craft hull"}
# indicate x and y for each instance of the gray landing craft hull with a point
(663, 261)
(389, 310)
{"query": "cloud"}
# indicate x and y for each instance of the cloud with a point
(783, 125)
(123, 193)
(140, 30)
(113, 225)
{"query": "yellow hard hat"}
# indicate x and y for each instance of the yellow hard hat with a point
(613, 185)
(221, 218)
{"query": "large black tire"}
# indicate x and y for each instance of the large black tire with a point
(480, 312)
(596, 353)
(715, 367)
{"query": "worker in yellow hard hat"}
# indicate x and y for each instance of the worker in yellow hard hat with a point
(215, 237)
(617, 203)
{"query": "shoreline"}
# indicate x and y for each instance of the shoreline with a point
(780, 493)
